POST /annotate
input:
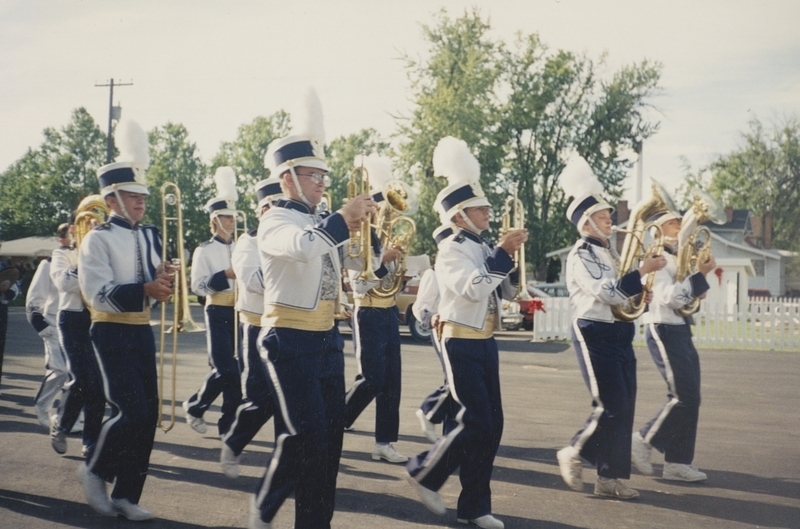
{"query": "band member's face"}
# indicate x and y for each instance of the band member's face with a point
(312, 183)
(671, 228)
(226, 222)
(602, 219)
(479, 215)
(134, 204)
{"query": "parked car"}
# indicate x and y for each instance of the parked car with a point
(554, 290)
(511, 316)
(527, 307)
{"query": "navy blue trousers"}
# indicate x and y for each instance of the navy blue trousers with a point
(127, 360)
(256, 407)
(438, 406)
(474, 378)
(673, 429)
(608, 364)
(306, 375)
(84, 391)
(376, 337)
(224, 375)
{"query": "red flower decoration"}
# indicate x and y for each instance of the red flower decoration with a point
(718, 273)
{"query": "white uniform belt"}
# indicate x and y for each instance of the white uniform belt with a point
(223, 299)
(128, 318)
(320, 319)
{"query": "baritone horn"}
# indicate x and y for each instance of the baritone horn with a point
(514, 219)
(396, 228)
(634, 250)
(694, 241)
(92, 211)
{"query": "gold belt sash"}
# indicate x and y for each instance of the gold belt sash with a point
(223, 299)
(250, 318)
(128, 318)
(454, 330)
(380, 303)
(320, 319)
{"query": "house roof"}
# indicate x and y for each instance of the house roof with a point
(740, 221)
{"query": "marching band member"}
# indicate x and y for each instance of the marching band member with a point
(472, 276)
(9, 290)
(437, 407)
(376, 337)
(121, 275)
(84, 391)
(255, 408)
(673, 429)
(299, 341)
(603, 345)
(213, 277)
(41, 307)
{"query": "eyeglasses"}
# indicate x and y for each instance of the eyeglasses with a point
(317, 178)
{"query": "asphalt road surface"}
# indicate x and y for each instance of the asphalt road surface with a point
(748, 444)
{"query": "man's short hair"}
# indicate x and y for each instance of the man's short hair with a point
(63, 230)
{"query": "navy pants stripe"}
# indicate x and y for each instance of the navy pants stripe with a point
(376, 336)
(255, 408)
(127, 360)
(84, 391)
(673, 429)
(608, 364)
(474, 378)
(224, 375)
(306, 375)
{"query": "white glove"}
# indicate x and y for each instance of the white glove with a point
(48, 332)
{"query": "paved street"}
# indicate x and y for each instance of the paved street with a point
(748, 443)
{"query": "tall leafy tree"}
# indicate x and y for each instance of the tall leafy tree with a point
(42, 188)
(174, 158)
(523, 109)
(246, 155)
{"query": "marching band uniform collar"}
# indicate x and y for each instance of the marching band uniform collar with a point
(290, 203)
(221, 240)
(595, 241)
(122, 222)
(471, 235)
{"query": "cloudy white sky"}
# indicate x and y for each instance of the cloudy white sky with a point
(214, 66)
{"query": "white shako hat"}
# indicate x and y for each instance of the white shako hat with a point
(442, 232)
(453, 160)
(225, 201)
(305, 147)
(661, 217)
(127, 173)
(268, 191)
(579, 181)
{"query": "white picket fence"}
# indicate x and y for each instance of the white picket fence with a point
(763, 324)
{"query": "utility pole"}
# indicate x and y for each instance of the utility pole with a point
(638, 147)
(113, 113)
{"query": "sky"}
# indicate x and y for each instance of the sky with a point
(214, 66)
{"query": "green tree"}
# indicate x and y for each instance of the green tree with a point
(523, 110)
(341, 153)
(246, 155)
(173, 158)
(762, 174)
(42, 188)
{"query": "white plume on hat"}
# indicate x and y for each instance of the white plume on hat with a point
(133, 144)
(312, 123)
(577, 178)
(225, 180)
(379, 169)
(453, 159)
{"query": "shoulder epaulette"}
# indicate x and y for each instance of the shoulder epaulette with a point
(459, 238)
(253, 232)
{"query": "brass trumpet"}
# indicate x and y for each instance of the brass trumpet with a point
(514, 219)
(360, 244)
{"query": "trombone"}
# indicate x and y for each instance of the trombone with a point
(181, 317)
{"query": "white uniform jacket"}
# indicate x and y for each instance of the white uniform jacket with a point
(468, 272)
(291, 242)
(41, 303)
(247, 266)
(115, 260)
(209, 262)
(427, 302)
(592, 281)
(669, 295)
(64, 274)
